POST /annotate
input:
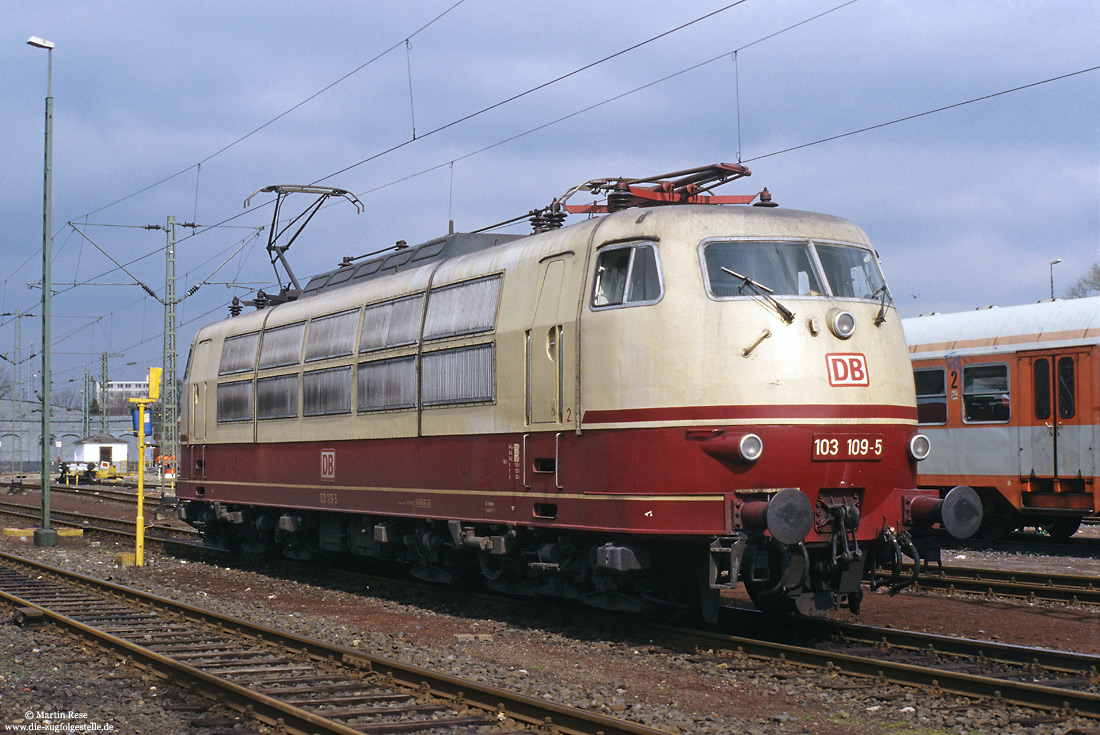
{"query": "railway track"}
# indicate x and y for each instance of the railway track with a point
(861, 657)
(875, 663)
(280, 679)
(101, 524)
(1079, 546)
(1074, 589)
(123, 492)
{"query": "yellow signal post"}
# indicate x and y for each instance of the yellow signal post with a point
(154, 394)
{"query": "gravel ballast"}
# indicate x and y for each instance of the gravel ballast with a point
(593, 669)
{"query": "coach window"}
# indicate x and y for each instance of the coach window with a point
(627, 275)
(1041, 382)
(239, 353)
(235, 401)
(391, 323)
(332, 336)
(985, 394)
(277, 397)
(282, 345)
(463, 375)
(387, 384)
(931, 396)
(326, 392)
(1066, 398)
(462, 308)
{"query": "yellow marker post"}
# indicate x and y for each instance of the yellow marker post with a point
(154, 394)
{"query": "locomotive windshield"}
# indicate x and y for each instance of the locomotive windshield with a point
(792, 269)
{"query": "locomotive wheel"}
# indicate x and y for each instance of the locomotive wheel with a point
(763, 591)
(1061, 529)
(772, 604)
(998, 520)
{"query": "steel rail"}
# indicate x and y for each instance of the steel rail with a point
(268, 710)
(1031, 586)
(532, 711)
(939, 679)
(81, 521)
(942, 679)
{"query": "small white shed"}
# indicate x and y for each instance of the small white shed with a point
(102, 448)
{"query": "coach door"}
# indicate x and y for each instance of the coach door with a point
(1056, 431)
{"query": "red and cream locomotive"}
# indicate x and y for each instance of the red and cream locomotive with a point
(636, 411)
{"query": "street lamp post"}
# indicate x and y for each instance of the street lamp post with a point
(46, 536)
(1053, 263)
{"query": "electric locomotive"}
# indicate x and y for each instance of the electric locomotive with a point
(663, 401)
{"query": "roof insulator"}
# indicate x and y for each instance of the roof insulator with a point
(765, 199)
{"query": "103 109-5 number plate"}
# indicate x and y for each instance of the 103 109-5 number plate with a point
(838, 447)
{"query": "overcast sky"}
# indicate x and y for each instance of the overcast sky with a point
(185, 109)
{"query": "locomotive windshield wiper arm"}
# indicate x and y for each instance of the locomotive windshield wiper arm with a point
(885, 294)
(766, 293)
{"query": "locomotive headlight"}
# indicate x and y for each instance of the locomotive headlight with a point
(750, 447)
(919, 446)
(841, 323)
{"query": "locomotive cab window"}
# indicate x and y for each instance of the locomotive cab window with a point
(931, 396)
(791, 268)
(627, 275)
(986, 398)
(851, 272)
(786, 268)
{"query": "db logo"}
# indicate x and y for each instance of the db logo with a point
(848, 368)
(328, 464)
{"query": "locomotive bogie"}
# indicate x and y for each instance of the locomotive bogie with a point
(616, 412)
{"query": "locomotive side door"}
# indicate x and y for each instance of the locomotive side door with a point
(1055, 428)
(546, 347)
(197, 412)
(550, 348)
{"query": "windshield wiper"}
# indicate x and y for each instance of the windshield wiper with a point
(764, 292)
(881, 316)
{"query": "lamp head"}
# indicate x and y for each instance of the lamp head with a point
(40, 43)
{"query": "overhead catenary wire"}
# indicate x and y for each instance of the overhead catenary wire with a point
(609, 100)
(536, 88)
(774, 153)
(283, 114)
(493, 106)
(914, 116)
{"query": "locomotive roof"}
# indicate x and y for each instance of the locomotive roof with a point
(1005, 329)
(757, 222)
(388, 263)
(404, 274)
